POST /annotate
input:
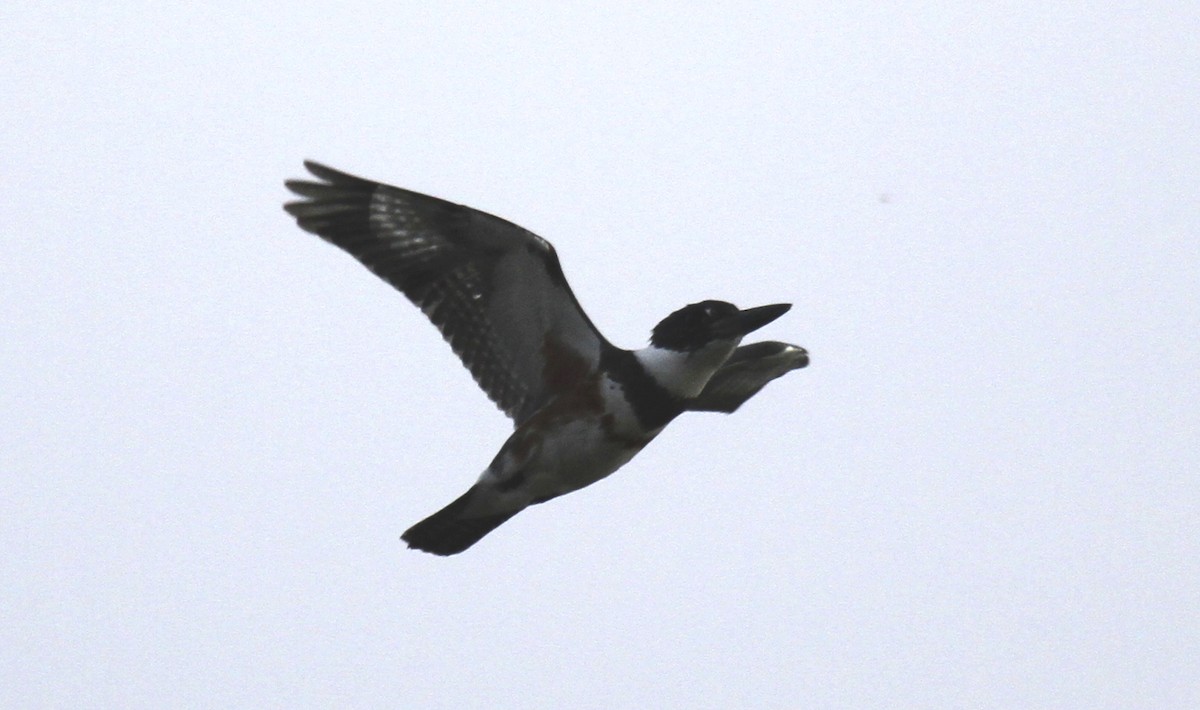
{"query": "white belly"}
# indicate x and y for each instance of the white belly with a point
(553, 455)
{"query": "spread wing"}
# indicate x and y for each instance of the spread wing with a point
(747, 371)
(494, 290)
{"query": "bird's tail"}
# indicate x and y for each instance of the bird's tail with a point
(452, 530)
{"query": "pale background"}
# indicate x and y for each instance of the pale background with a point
(984, 492)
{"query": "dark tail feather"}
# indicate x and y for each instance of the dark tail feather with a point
(449, 532)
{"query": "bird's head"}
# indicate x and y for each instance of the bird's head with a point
(689, 345)
(700, 325)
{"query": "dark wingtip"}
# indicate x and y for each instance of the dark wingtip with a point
(321, 170)
(329, 200)
(336, 177)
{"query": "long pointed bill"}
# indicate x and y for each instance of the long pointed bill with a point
(751, 319)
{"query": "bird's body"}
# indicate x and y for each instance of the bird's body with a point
(582, 407)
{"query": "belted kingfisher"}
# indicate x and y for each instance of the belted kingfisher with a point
(581, 407)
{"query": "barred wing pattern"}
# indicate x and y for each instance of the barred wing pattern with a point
(495, 290)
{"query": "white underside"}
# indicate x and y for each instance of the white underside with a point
(572, 455)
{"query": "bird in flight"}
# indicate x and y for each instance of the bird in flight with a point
(581, 407)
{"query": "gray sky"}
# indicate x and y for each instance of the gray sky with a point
(983, 492)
